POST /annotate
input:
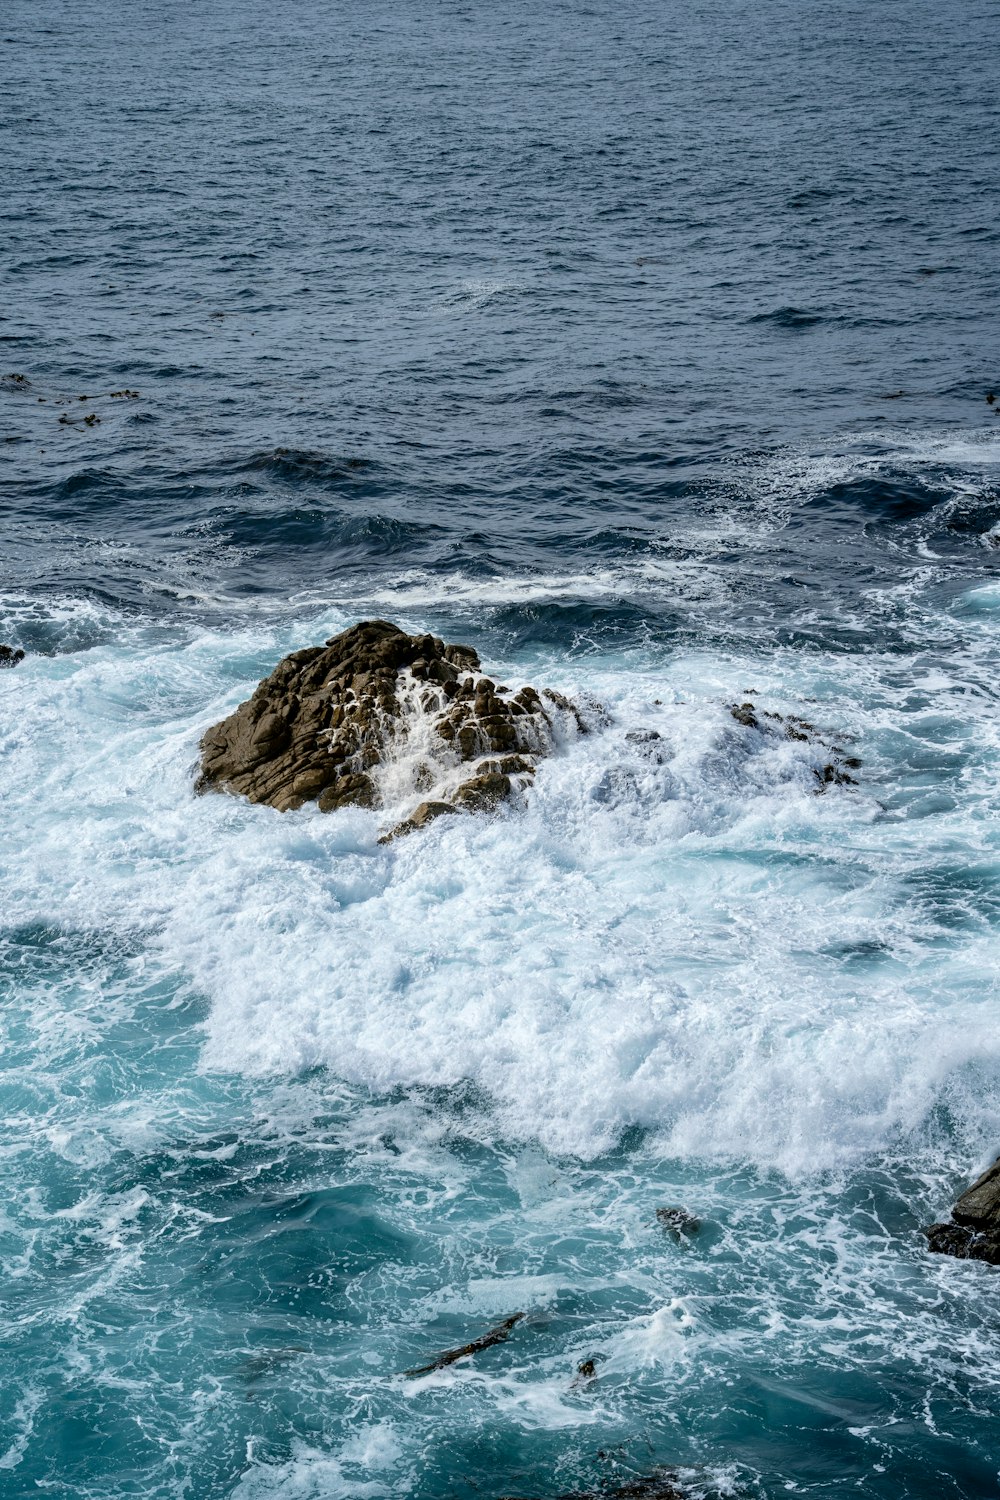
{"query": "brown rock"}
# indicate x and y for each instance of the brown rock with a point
(332, 724)
(482, 793)
(509, 765)
(963, 1243)
(979, 1205)
(354, 789)
(419, 818)
(974, 1230)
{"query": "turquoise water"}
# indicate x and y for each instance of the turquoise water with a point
(289, 1112)
(647, 352)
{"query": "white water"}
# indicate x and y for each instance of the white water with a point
(703, 946)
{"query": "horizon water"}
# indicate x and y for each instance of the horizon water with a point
(646, 351)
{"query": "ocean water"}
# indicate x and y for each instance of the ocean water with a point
(645, 348)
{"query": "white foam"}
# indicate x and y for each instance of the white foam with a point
(417, 763)
(676, 941)
(479, 293)
(374, 1449)
(661, 1338)
(22, 1425)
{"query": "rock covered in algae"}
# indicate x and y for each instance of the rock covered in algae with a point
(377, 715)
(973, 1232)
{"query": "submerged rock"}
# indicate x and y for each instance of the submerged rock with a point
(498, 1335)
(973, 1232)
(377, 715)
(679, 1222)
(659, 1486)
(10, 656)
(832, 772)
(419, 818)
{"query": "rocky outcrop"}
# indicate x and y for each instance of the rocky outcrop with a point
(973, 1232)
(10, 656)
(376, 716)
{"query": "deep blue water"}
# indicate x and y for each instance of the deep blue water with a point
(647, 349)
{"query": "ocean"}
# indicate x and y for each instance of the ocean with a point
(646, 349)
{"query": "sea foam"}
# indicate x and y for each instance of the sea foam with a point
(681, 935)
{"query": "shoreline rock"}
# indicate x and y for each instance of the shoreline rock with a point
(10, 656)
(377, 715)
(973, 1232)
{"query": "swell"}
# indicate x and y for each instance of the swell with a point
(801, 534)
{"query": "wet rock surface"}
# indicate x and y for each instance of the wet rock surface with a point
(381, 719)
(678, 1222)
(376, 715)
(10, 656)
(837, 764)
(498, 1335)
(973, 1232)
